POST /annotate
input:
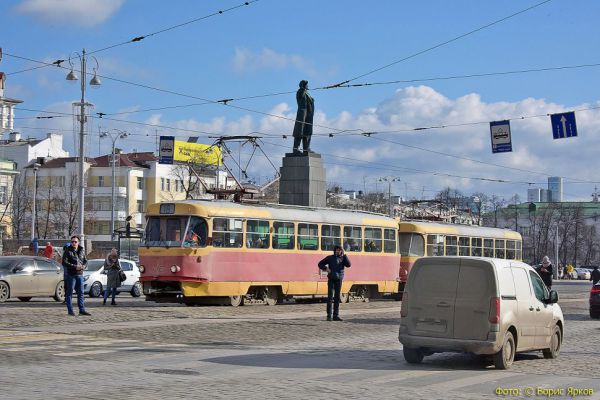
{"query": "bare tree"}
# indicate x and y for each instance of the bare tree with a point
(21, 205)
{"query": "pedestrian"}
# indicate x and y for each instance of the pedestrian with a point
(113, 276)
(334, 265)
(34, 246)
(545, 271)
(569, 271)
(74, 262)
(49, 251)
(595, 278)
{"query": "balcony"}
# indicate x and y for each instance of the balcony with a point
(105, 215)
(120, 191)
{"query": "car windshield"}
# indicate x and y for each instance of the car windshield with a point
(6, 264)
(94, 265)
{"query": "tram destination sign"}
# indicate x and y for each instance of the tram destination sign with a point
(500, 135)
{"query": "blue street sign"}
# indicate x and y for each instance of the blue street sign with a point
(563, 125)
(500, 134)
(166, 150)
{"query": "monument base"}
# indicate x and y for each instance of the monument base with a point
(302, 180)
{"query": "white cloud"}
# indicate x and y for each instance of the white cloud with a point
(245, 60)
(81, 12)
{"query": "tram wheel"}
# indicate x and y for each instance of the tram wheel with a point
(270, 296)
(236, 301)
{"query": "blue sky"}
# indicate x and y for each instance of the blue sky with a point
(270, 45)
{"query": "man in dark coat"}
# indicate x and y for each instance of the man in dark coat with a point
(595, 278)
(303, 127)
(74, 262)
(545, 271)
(334, 265)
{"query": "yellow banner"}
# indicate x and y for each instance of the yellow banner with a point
(197, 153)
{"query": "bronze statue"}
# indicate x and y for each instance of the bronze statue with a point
(304, 118)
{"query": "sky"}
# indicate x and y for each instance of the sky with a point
(422, 56)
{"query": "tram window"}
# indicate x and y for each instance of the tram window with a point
(476, 249)
(463, 246)
(435, 245)
(227, 232)
(257, 234)
(488, 247)
(283, 235)
(308, 236)
(152, 231)
(499, 248)
(165, 231)
(352, 238)
(519, 253)
(175, 229)
(197, 233)
(373, 240)
(510, 250)
(389, 241)
(451, 248)
(330, 237)
(412, 244)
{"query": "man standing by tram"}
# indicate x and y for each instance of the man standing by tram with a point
(334, 266)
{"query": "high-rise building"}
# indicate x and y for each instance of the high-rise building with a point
(555, 186)
(534, 195)
(545, 196)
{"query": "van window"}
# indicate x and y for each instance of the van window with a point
(499, 248)
(521, 284)
(476, 249)
(352, 238)
(330, 237)
(539, 288)
(411, 244)
(464, 248)
(510, 250)
(389, 241)
(451, 246)
(373, 240)
(488, 247)
(505, 280)
(435, 245)
(283, 235)
(442, 286)
(308, 236)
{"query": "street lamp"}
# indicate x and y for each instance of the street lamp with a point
(71, 76)
(114, 136)
(389, 180)
(477, 202)
(35, 166)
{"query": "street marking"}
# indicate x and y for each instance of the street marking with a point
(86, 353)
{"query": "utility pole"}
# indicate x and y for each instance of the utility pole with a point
(389, 180)
(114, 137)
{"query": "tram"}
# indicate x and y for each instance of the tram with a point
(420, 238)
(199, 251)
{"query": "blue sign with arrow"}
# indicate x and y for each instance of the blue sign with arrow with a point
(563, 125)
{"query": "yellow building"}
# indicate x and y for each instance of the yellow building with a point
(8, 173)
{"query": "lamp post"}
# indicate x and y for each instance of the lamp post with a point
(36, 166)
(389, 180)
(114, 136)
(82, 120)
(477, 201)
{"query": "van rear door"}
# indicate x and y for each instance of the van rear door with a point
(432, 292)
(476, 288)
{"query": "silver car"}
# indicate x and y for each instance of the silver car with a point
(24, 277)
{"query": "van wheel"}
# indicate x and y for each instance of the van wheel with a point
(505, 357)
(555, 344)
(96, 289)
(413, 356)
(4, 292)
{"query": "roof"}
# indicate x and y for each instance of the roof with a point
(469, 230)
(134, 160)
(22, 142)
(9, 100)
(61, 162)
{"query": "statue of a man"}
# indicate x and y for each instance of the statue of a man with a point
(303, 127)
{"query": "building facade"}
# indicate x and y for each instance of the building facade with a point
(555, 186)
(8, 172)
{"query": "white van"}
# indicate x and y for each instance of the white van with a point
(485, 306)
(94, 278)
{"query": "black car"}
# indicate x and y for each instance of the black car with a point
(595, 301)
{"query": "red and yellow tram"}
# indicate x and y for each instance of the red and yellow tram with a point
(197, 251)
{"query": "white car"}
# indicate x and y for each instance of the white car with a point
(583, 273)
(94, 278)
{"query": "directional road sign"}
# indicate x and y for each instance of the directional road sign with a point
(166, 150)
(500, 134)
(563, 125)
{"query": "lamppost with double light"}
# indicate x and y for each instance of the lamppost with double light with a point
(114, 136)
(95, 81)
(389, 180)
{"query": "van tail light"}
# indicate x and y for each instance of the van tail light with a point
(404, 305)
(494, 317)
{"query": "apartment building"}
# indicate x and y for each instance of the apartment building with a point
(8, 172)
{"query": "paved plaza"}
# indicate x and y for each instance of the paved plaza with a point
(140, 350)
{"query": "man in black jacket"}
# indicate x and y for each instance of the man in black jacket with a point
(74, 262)
(334, 265)
(545, 271)
(595, 278)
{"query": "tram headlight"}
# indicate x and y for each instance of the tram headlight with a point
(175, 268)
(141, 268)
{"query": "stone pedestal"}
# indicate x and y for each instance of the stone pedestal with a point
(302, 181)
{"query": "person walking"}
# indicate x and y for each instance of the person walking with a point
(595, 277)
(334, 266)
(113, 276)
(545, 271)
(49, 251)
(74, 262)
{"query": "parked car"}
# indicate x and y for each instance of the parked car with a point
(583, 273)
(485, 306)
(25, 277)
(94, 278)
(595, 301)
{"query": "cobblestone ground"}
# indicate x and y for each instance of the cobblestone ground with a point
(140, 350)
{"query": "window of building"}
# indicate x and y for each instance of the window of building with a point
(140, 182)
(140, 206)
(168, 185)
(352, 238)
(181, 187)
(100, 181)
(227, 232)
(162, 184)
(257, 234)
(3, 191)
(373, 240)
(308, 236)
(435, 245)
(283, 235)
(389, 241)
(330, 237)
(451, 245)
(488, 247)
(464, 248)
(177, 185)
